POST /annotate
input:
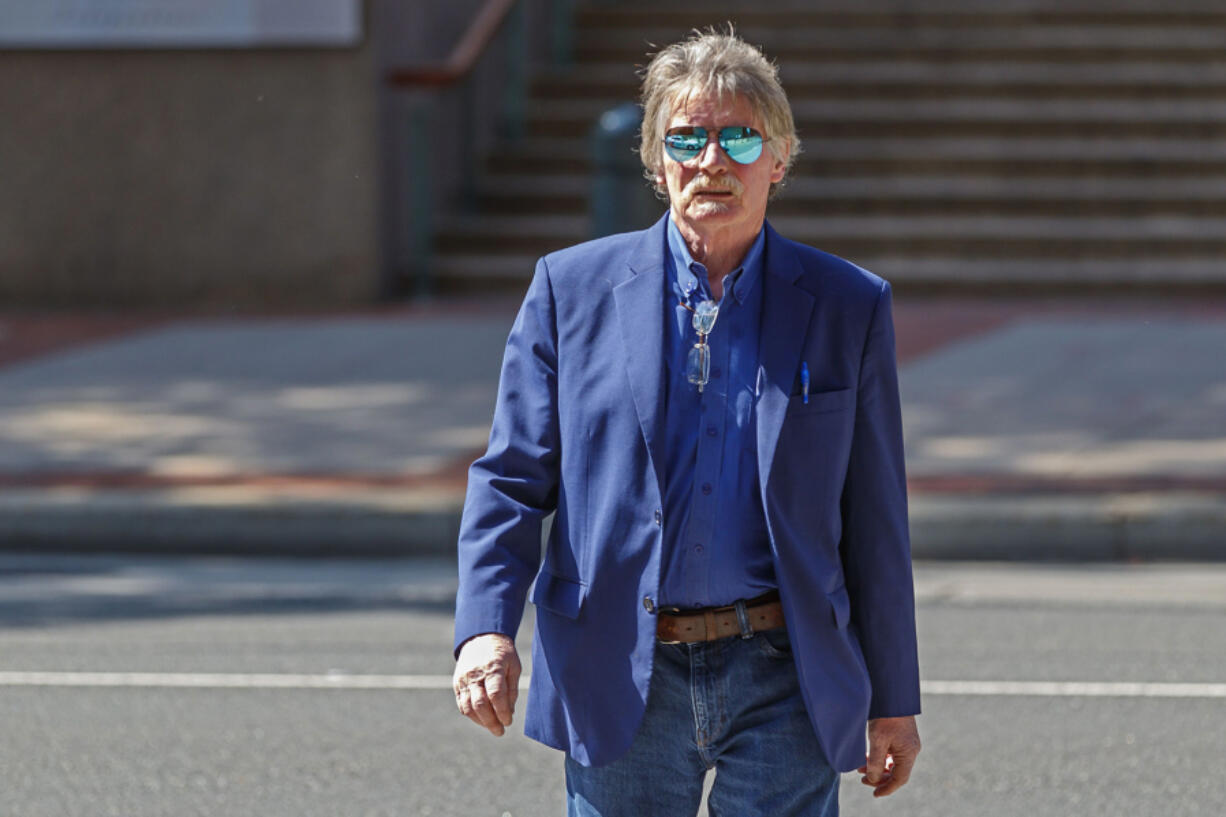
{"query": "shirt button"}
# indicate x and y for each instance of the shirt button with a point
(658, 516)
(698, 548)
(715, 370)
(648, 604)
(710, 431)
(706, 488)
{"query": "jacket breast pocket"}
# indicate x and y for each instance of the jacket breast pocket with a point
(558, 594)
(821, 402)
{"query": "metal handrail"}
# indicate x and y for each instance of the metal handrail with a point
(463, 57)
(456, 72)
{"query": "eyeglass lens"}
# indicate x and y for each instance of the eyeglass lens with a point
(698, 362)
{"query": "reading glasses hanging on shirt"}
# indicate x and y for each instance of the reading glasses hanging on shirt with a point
(698, 363)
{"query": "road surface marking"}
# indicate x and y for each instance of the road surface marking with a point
(214, 680)
(1079, 689)
(341, 680)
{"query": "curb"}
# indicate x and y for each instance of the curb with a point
(124, 523)
(1086, 528)
(1150, 526)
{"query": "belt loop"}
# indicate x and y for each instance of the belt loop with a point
(742, 616)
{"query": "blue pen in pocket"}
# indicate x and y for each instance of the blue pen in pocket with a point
(804, 382)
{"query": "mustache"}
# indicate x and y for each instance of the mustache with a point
(704, 182)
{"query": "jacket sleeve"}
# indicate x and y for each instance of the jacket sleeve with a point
(876, 547)
(513, 487)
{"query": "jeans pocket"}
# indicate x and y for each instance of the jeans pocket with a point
(775, 643)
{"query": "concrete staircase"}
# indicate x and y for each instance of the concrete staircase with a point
(1002, 151)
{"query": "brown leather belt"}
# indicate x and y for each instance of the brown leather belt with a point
(709, 623)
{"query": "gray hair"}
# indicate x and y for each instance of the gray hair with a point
(721, 65)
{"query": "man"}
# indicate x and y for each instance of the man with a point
(712, 411)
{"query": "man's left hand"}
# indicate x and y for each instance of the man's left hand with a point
(893, 744)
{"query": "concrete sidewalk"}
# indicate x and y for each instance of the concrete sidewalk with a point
(1036, 429)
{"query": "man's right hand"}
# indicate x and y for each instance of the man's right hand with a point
(486, 681)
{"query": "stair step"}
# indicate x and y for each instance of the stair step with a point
(859, 15)
(922, 72)
(950, 146)
(1023, 273)
(509, 272)
(637, 53)
(575, 227)
(913, 236)
(889, 79)
(1030, 186)
(968, 110)
(1198, 40)
(1005, 155)
(965, 116)
(901, 195)
(928, 36)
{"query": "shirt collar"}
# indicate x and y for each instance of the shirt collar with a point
(689, 271)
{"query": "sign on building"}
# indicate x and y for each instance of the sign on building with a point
(78, 24)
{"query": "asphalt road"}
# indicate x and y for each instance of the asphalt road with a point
(251, 698)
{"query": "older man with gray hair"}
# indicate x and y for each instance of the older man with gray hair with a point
(711, 411)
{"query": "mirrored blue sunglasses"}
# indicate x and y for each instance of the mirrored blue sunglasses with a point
(743, 145)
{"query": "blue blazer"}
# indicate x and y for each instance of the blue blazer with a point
(578, 429)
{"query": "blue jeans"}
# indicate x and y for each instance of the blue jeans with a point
(733, 705)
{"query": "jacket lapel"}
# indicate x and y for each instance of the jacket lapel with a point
(640, 313)
(786, 311)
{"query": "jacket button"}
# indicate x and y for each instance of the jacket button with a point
(658, 517)
(648, 604)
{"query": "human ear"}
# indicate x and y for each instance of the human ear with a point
(780, 166)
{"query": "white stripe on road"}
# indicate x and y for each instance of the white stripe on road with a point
(197, 680)
(1081, 689)
(213, 680)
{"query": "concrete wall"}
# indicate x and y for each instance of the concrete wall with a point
(217, 178)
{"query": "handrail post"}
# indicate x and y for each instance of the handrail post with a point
(517, 73)
(468, 141)
(418, 181)
(563, 39)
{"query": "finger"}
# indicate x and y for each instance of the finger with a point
(463, 702)
(874, 786)
(897, 776)
(877, 755)
(496, 689)
(513, 673)
(891, 785)
(482, 709)
(902, 768)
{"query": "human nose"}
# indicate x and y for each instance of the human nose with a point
(713, 157)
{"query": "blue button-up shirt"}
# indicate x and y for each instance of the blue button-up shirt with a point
(716, 547)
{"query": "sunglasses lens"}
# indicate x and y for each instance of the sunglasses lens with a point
(743, 145)
(685, 146)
